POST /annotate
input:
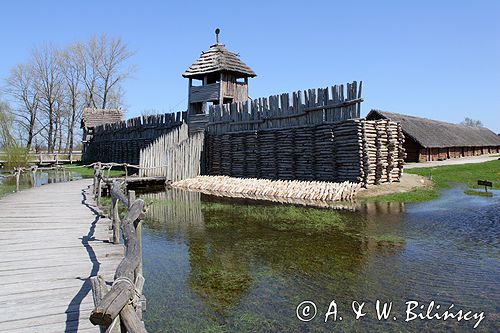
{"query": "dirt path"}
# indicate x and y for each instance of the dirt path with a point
(407, 183)
(454, 161)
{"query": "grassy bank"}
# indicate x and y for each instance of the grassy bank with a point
(444, 177)
(88, 172)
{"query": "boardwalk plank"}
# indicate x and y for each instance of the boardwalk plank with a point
(44, 265)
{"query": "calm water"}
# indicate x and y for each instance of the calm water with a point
(29, 179)
(226, 266)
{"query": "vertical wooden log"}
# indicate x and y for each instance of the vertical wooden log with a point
(138, 231)
(115, 220)
(99, 191)
(33, 174)
(131, 198)
(99, 289)
(18, 174)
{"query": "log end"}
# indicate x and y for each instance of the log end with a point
(98, 317)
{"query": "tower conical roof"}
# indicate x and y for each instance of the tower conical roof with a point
(217, 59)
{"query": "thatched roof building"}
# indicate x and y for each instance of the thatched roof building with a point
(427, 139)
(94, 117)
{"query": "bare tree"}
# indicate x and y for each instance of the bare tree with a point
(20, 85)
(112, 71)
(71, 69)
(52, 89)
(48, 76)
(472, 122)
(103, 62)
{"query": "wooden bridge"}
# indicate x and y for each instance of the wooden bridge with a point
(44, 158)
(53, 239)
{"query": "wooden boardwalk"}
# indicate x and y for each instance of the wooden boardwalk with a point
(51, 241)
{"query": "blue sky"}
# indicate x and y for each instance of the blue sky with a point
(435, 59)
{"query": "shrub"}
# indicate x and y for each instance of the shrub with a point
(15, 157)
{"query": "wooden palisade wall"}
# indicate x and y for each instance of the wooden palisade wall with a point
(122, 141)
(175, 155)
(312, 106)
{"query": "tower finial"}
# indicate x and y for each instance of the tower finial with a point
(217, 32)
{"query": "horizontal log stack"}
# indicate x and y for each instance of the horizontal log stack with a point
(355, 150)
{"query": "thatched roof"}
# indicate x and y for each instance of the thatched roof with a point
(95, 117)
(433, 134)
(218, 58)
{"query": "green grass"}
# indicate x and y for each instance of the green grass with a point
(415, 195)
(469, 174)
(389, 240)
(478, 193)
(444, 177)
(88, 172)
(6, 189)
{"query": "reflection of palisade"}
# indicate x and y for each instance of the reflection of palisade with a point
(175, 208)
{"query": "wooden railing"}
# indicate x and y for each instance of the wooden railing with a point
(120, 308)
(48, 158)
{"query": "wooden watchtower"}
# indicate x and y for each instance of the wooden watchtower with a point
(217, 77)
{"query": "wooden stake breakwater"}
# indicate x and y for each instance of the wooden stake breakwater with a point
(356, 150)
(312, 106)
(175, 155)
(270, 189)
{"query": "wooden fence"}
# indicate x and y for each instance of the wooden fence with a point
(42, 158)
(122, 141)
(175, 155)
(312, 106)
(119, 309)
(356, 150)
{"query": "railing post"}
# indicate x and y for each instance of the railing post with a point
(94, 185)
(18, 174)
(115, 218)
(138, 231)
(97, 182)
(33, 174)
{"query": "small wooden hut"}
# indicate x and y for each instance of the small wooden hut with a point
(92, 118)
(432, 140)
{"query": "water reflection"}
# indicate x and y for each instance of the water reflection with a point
(242, 266)
(35, 178)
